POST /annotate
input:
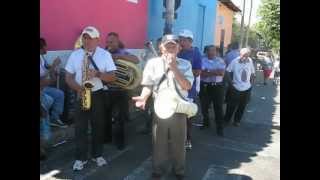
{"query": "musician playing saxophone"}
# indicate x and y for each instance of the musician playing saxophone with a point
(174, 127)
(101, 68)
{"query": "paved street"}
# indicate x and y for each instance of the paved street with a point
(248, 152)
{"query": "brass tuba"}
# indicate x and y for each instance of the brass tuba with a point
(128, 75)
(87, 85)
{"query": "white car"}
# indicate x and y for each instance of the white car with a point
(261, 55)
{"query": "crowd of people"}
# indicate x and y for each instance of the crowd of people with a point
(212, 78)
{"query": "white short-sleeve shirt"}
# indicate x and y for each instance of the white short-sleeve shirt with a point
(101, 57)
(241, 73)
(213, 64)
(43, 69)
(155, 68)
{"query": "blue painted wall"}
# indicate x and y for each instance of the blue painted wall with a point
(188, 18)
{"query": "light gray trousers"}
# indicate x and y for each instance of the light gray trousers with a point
(171, 130)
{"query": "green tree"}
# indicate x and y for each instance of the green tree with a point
(236, 34)
(269, 25)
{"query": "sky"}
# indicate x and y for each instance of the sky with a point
(254, 17)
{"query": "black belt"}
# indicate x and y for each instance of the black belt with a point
(213, 83)
(97, 91)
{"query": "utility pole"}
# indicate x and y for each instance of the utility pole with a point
(169, 16)
(242, 23)
(247, 34)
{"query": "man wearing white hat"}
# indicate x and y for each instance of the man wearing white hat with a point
(193, 55)
(174, 128)
(101, 68)
(240, 83)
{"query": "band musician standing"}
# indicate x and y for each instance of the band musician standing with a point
(101, 68)
(193, 55)
(212, 88)
(240, 77)
(117, 97)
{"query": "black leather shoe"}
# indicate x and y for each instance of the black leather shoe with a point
(220, 132)
(121, 146)
(156, 176)
(145, 131)
(204, 127)
(225, 124)
(237, 124)
(43, 154)
(179, 177)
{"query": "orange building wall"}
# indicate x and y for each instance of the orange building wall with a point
(228, 19)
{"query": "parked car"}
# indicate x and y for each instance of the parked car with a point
(260, 57)
(261, 54)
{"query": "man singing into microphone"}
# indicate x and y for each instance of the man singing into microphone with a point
(173, 128)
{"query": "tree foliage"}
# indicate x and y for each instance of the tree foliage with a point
(252, 39)
(269, 25)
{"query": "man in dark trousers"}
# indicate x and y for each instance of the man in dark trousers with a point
(240, 77)
(101, 68)
(212, 88)
(118, 99)
(228, 58)
(193, 55)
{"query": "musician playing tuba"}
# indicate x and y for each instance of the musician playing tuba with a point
(117, 94)
(177, 71)
(89, 65)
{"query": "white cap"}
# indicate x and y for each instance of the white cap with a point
(186, 33)
(169, 38)
(91, 31)
(244, 51)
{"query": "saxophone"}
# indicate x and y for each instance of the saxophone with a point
(87, 85)
(128, 74)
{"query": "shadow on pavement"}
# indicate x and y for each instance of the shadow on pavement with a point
(254, 139)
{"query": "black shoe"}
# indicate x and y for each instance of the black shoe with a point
(43, 155)
(107, 141)
(237, 124)
(156, 176)
(145, 131)
(225, 123)
(179, 177)
(121, 146)
(220, 132)
(204, 127)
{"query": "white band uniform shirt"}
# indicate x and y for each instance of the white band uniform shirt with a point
(102, 59)
(155, 68)
(216, 63)
(242, 72)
